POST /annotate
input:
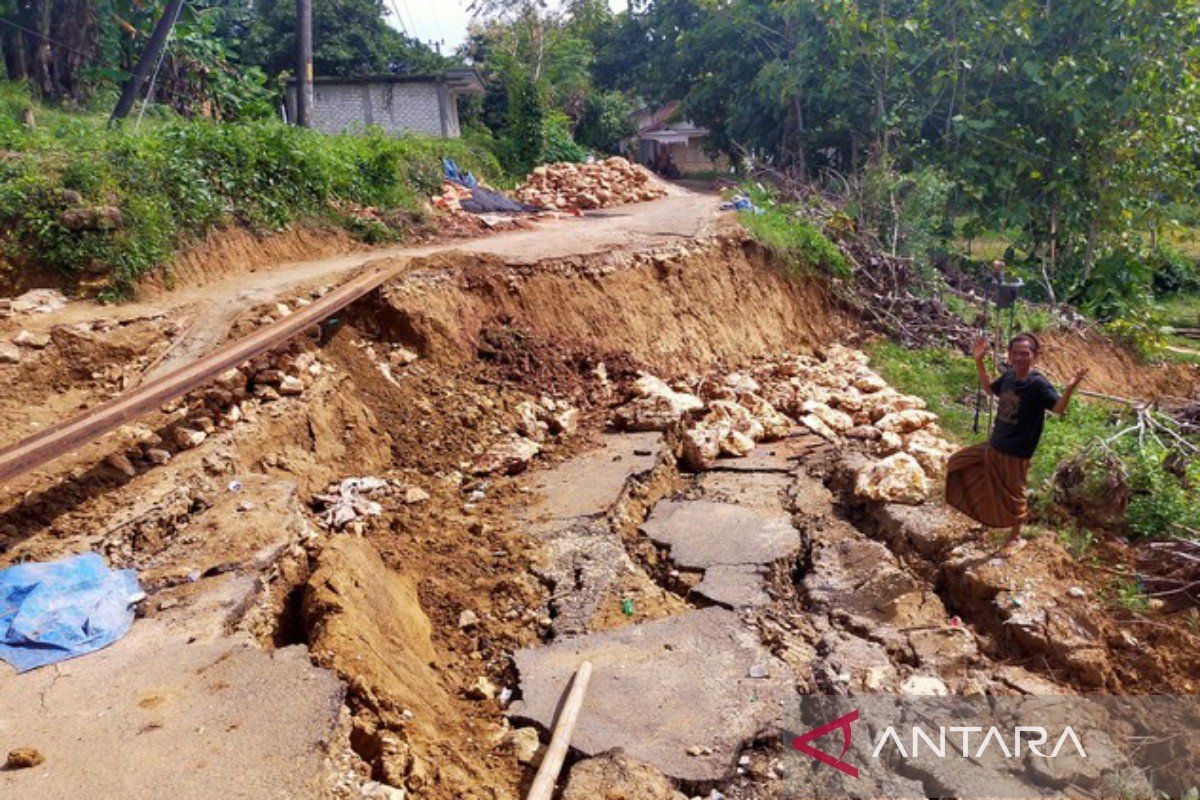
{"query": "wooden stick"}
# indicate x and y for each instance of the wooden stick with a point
(560, 740)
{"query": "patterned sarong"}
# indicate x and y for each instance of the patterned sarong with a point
(987, 485)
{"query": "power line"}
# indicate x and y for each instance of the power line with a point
(412, 21)
(399, 17)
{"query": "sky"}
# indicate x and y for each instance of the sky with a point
(443, 21)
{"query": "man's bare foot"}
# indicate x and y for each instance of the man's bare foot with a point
(1012, 546)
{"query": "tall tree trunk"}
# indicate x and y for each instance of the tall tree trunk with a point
(1089, 252)
(40, 69)
(798, 112)
(14, 55)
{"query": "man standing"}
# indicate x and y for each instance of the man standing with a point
(987, 481)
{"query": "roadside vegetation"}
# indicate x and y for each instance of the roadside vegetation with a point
(112, 204)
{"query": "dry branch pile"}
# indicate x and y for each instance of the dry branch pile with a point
(571, 187)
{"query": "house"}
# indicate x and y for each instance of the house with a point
(426, 104)
(663, 140)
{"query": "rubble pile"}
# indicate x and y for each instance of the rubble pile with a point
(235, 396)
(537, 422)
(839, 399)
(580, 187)
(451, 197)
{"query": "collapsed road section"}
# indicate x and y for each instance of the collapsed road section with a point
(398, 540)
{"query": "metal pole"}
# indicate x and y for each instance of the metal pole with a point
(133, 86)
(304, 70)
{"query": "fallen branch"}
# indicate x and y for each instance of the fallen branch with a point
(560, 740)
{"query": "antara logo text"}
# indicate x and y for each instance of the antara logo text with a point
(968, 741)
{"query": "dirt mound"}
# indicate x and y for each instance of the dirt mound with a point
(1113, 369)
(570, 187)
(676, 310)
(364, 621)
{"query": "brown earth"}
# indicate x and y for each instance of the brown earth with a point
(384, 603)
(425, 426)
(1113, 369)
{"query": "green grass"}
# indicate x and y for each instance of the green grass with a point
(1182, 311)
(945, 378)
(986, 248)
(801, 246)
(174, 179)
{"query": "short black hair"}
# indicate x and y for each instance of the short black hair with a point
(1027, 337)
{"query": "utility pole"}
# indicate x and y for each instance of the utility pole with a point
(145, 65)
(303, 62)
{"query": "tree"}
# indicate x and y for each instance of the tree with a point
(350, 37)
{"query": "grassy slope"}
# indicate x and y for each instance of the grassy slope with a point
(173, 180)
(945, 378)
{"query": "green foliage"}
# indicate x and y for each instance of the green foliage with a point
(173, 181)
(905, 211)
(1141, 331)
(606, 121)
(524, 138)
(1173, 271)
(1128, 594)
(350, 37)
(1120, 285)
(1163, 503)
(559, 144)
(1076, 540)
(802, 246)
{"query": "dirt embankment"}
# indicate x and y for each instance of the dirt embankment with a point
(1113, 369)
(415, 384)
(685, 308)
(239, 250)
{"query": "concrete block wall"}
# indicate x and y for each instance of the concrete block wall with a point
(394, 107)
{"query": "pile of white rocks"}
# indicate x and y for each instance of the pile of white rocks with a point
(568, 187)
(838, 398)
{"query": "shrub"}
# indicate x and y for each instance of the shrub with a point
(559, 144)
(175, 180)
(799, 244)
(606, 121)
(905, 211)
(1173, 271)
(1164, 503)
(523, 143)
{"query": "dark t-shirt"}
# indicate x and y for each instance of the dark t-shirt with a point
(1021, 407)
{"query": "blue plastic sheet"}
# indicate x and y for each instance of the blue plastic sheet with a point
(451, 172)
(61, 609)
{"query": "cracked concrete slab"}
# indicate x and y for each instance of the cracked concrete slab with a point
(589, 484)
(766, 491)
(703, 534)
(174, 710)
(733, 586)
(664, 689)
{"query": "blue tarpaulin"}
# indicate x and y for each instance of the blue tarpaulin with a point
(61, 609)
(451, 172)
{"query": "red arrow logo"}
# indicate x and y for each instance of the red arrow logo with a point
(801, 743)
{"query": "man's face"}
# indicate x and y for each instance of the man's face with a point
(1021, 356)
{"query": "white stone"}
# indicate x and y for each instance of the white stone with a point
(924, 686)
(896, 479)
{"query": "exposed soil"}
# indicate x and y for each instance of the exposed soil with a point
(1113, 369)
(414, 607)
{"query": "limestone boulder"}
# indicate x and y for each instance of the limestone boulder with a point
(895, 479)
